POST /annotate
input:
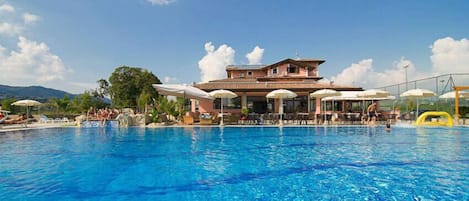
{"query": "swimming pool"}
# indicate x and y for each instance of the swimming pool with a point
(235, 163)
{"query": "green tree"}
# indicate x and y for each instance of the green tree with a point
(61, 103)
(103, 89)
(85, 102)
(6, 104)
(143, 100)
(128, 83)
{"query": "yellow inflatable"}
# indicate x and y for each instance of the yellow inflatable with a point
(421, 120)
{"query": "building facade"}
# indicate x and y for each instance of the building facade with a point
(252, 83)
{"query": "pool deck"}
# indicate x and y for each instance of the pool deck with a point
(22, 127)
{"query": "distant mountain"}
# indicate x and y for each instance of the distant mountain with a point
(32, 92)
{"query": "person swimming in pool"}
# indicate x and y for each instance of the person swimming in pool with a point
(388, 127)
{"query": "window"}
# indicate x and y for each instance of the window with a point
(241, 75)
(233, 103)
(292, 69)
(274, 70)
(249, 73)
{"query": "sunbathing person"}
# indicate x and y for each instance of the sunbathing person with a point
(20, 119)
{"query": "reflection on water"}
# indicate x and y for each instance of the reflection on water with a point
(403, 124)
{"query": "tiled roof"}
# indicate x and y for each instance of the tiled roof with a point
(258, 67)
(245, 67)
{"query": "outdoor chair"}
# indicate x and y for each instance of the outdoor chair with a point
(216, 120)
(290, 118)
(188, 120)
(206, 119)
(302, 118)
(268, 118)
(252, 118)
(61, 120)
(45, 119)
(234, 119)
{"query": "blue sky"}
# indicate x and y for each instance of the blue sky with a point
(69, 45)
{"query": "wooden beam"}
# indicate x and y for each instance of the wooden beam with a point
(456, 101)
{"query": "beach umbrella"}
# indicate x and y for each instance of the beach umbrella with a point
(27, 103)
(182, 90)
(281, 94)
(417, 94)
(222, 93)
(452, 95)
(373, 93)
(323, 93)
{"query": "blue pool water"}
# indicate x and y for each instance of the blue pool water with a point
(255, 163)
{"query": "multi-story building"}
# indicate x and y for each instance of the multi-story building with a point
(252, 83)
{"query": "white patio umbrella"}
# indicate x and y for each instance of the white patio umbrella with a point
(182, 90)
(281, 94)
(373, 93)
(418, 93)
(452, 95)
(222, 93)
(26, 103)
(323, 93)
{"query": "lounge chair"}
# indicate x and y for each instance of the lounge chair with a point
(45, 119)
(61, 120)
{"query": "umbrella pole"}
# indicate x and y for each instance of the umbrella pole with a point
(27, 115)
(324, 111)
(333, 109)
(221, 121)
(280, 110)
(417, 114)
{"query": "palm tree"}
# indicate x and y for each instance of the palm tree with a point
(61, 104)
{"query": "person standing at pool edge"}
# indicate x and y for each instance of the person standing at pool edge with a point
(371, 114)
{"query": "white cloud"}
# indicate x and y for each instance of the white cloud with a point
(212, 65)
(362, 74)
(255, 56)
(7, 8)
(31, 64)
(29, 18)
(13, 24)
(168, 79)
(161, 2)
(450, 56)
(10, 29)
(355, 73)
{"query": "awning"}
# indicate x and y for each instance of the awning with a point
(181, 90)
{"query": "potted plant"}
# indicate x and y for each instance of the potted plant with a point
(244, 113)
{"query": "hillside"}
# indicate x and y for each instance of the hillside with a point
(32, 92)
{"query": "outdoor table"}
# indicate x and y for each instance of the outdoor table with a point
(302, 117)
